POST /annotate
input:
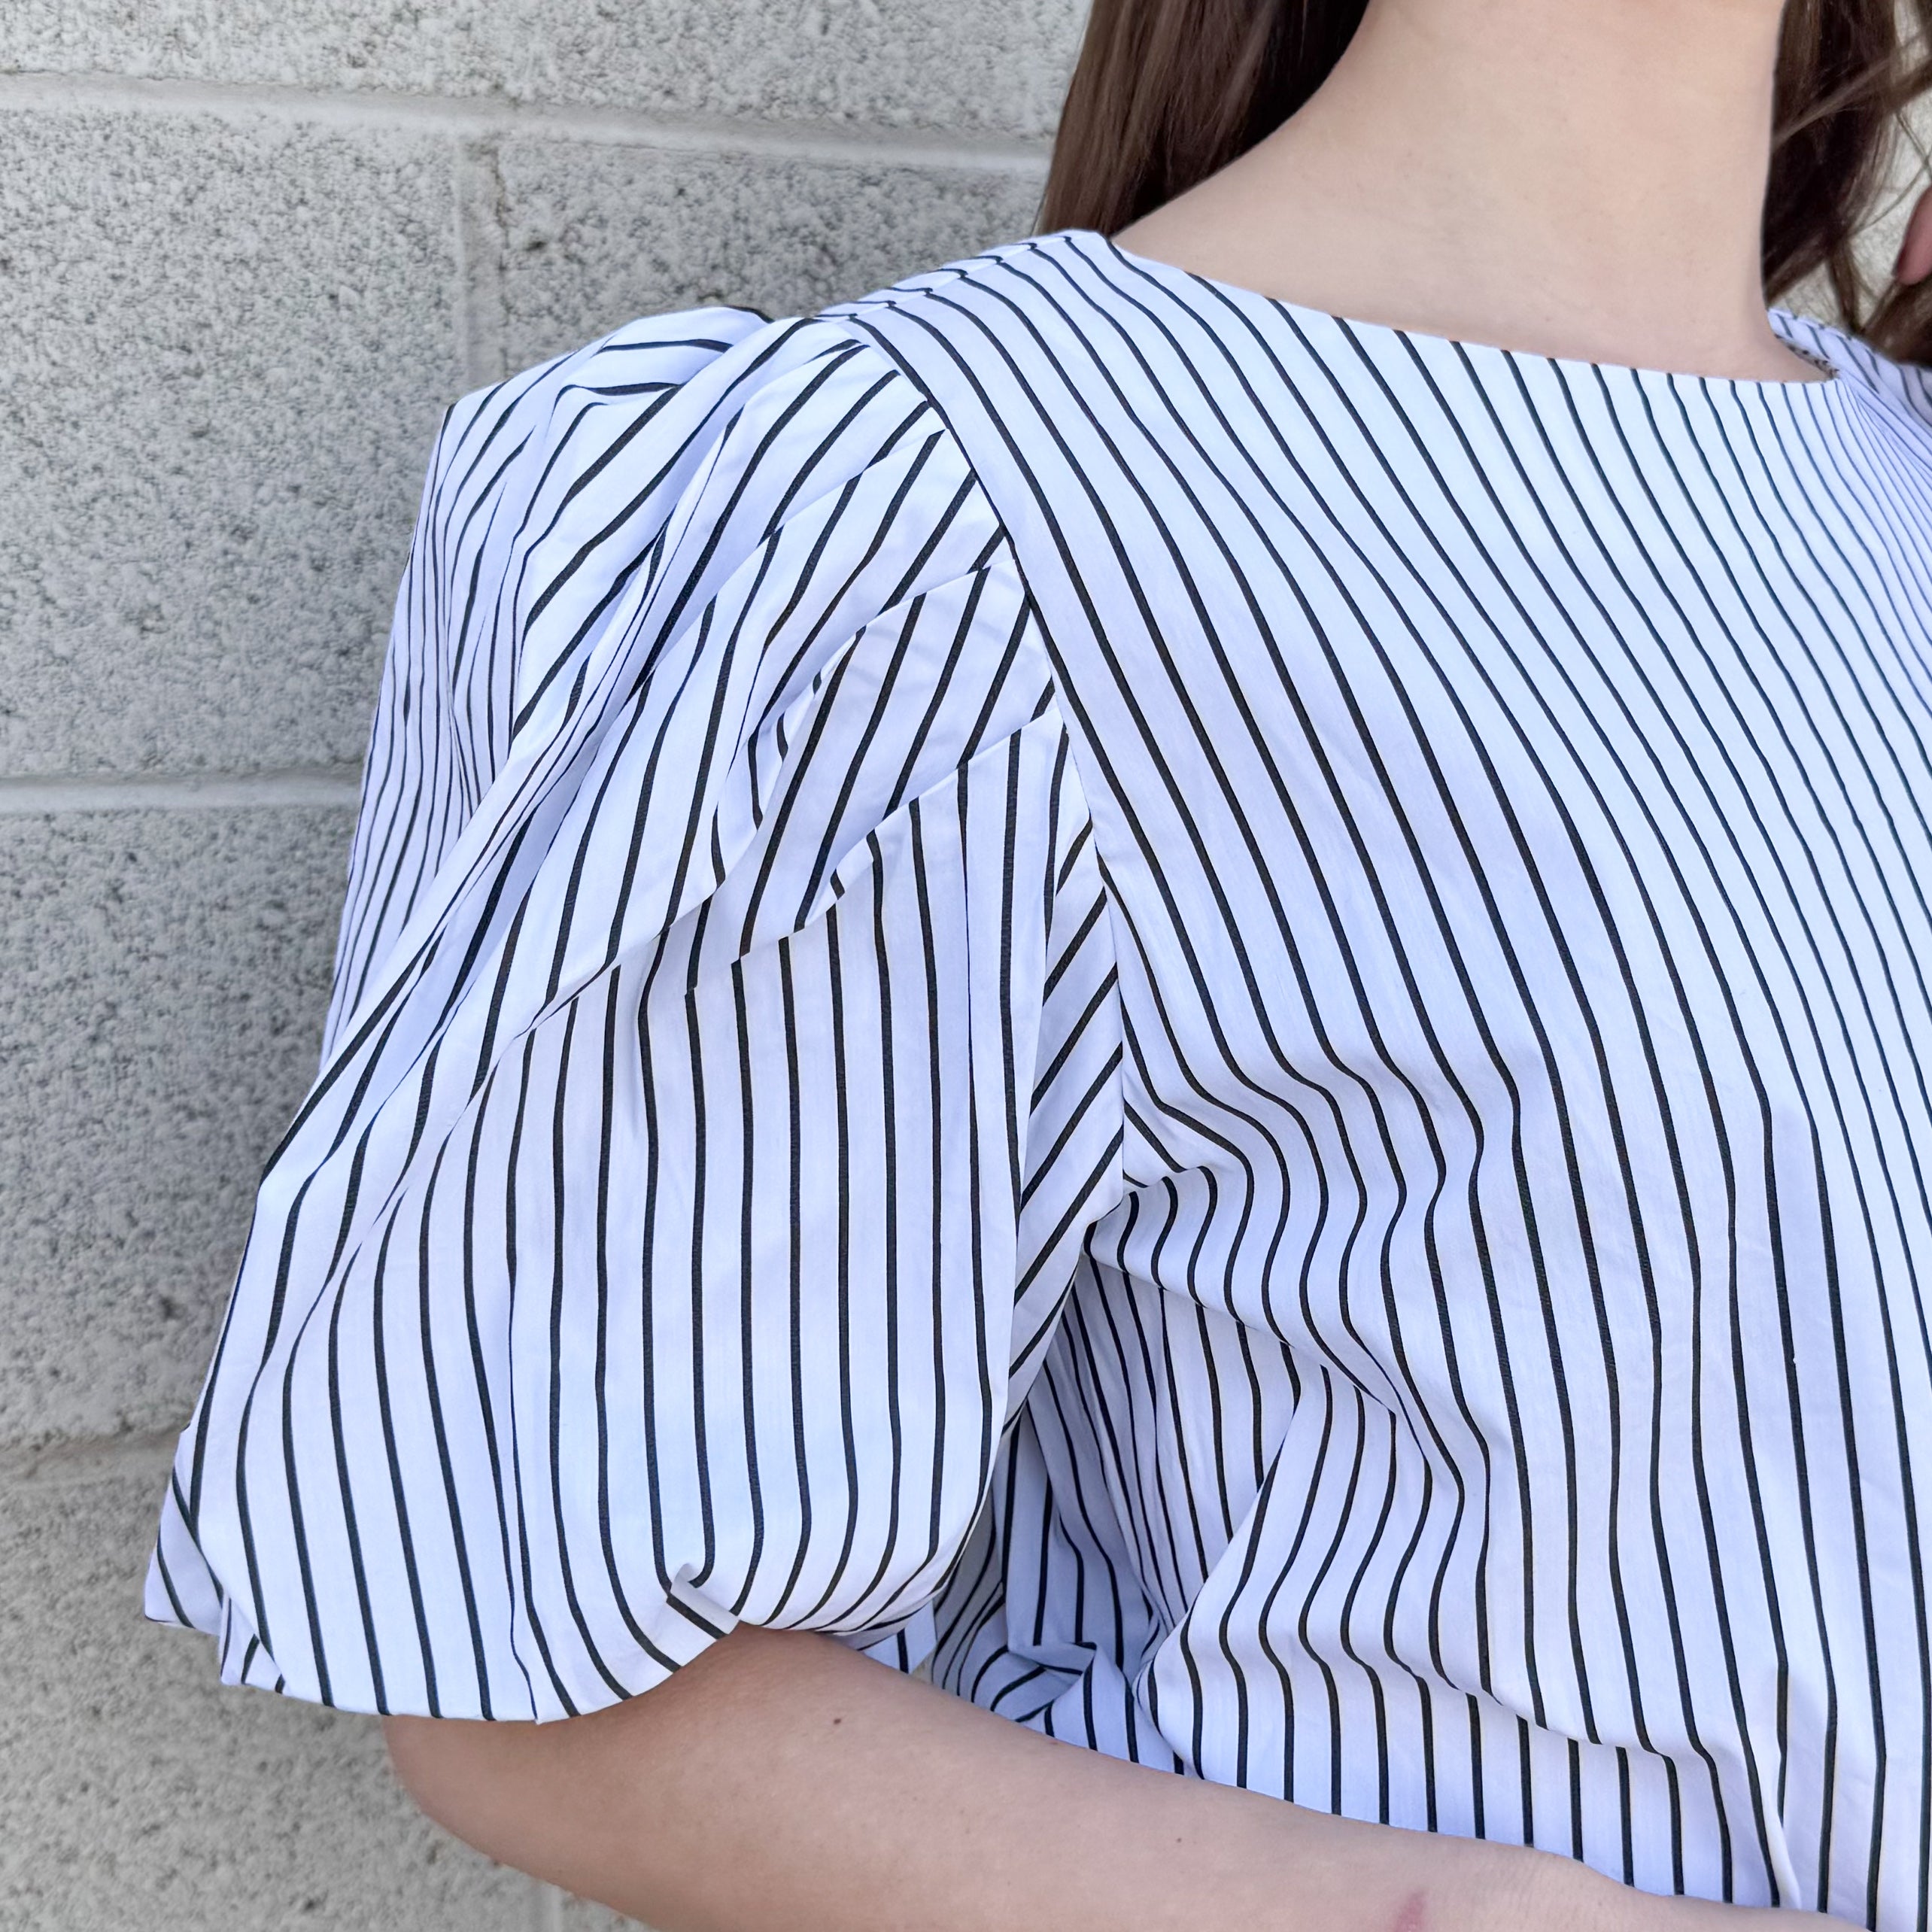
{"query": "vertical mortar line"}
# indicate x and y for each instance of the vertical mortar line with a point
(481, 324)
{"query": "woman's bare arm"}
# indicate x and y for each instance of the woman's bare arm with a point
(783, 1784)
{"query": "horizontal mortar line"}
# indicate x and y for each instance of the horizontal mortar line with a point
(227, 791)
(89, 1459)
(495, 114)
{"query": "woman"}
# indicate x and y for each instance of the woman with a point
(1218, 1013)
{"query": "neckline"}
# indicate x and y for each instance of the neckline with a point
(1175, 276)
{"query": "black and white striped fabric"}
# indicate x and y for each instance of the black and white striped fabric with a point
(1221, 1014)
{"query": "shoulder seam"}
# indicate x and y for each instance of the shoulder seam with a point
(854, 327)
(855, 330)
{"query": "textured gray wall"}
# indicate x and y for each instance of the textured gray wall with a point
(250, 249)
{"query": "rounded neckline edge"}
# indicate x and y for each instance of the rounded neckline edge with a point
(1830, 383)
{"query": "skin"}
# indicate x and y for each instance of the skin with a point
(1583, 180)
(1576, 177)
(782, 1783)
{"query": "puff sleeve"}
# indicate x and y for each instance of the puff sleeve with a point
(723, 1069)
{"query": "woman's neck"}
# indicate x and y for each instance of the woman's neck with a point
(1577, 178)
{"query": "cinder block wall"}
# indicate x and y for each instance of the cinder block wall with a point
(249, 249)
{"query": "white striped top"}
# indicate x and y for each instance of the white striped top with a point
(1221, 1013)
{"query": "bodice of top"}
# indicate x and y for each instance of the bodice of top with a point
(1499, 1400)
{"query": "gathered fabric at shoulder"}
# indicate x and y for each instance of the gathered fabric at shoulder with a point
(722, 1071)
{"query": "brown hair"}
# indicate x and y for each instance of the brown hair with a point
(1166, 92)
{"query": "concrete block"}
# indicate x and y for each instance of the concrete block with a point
(163, 976)
(595, 235)
(227, 349)
(995, 66)
(142, 1797)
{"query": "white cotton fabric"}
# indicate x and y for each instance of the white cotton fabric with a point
(1220, 1014)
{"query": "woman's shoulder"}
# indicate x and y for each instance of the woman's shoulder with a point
(724, 354)
(669, 388)
(706, 527)
(682, 444)
(642, 412)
